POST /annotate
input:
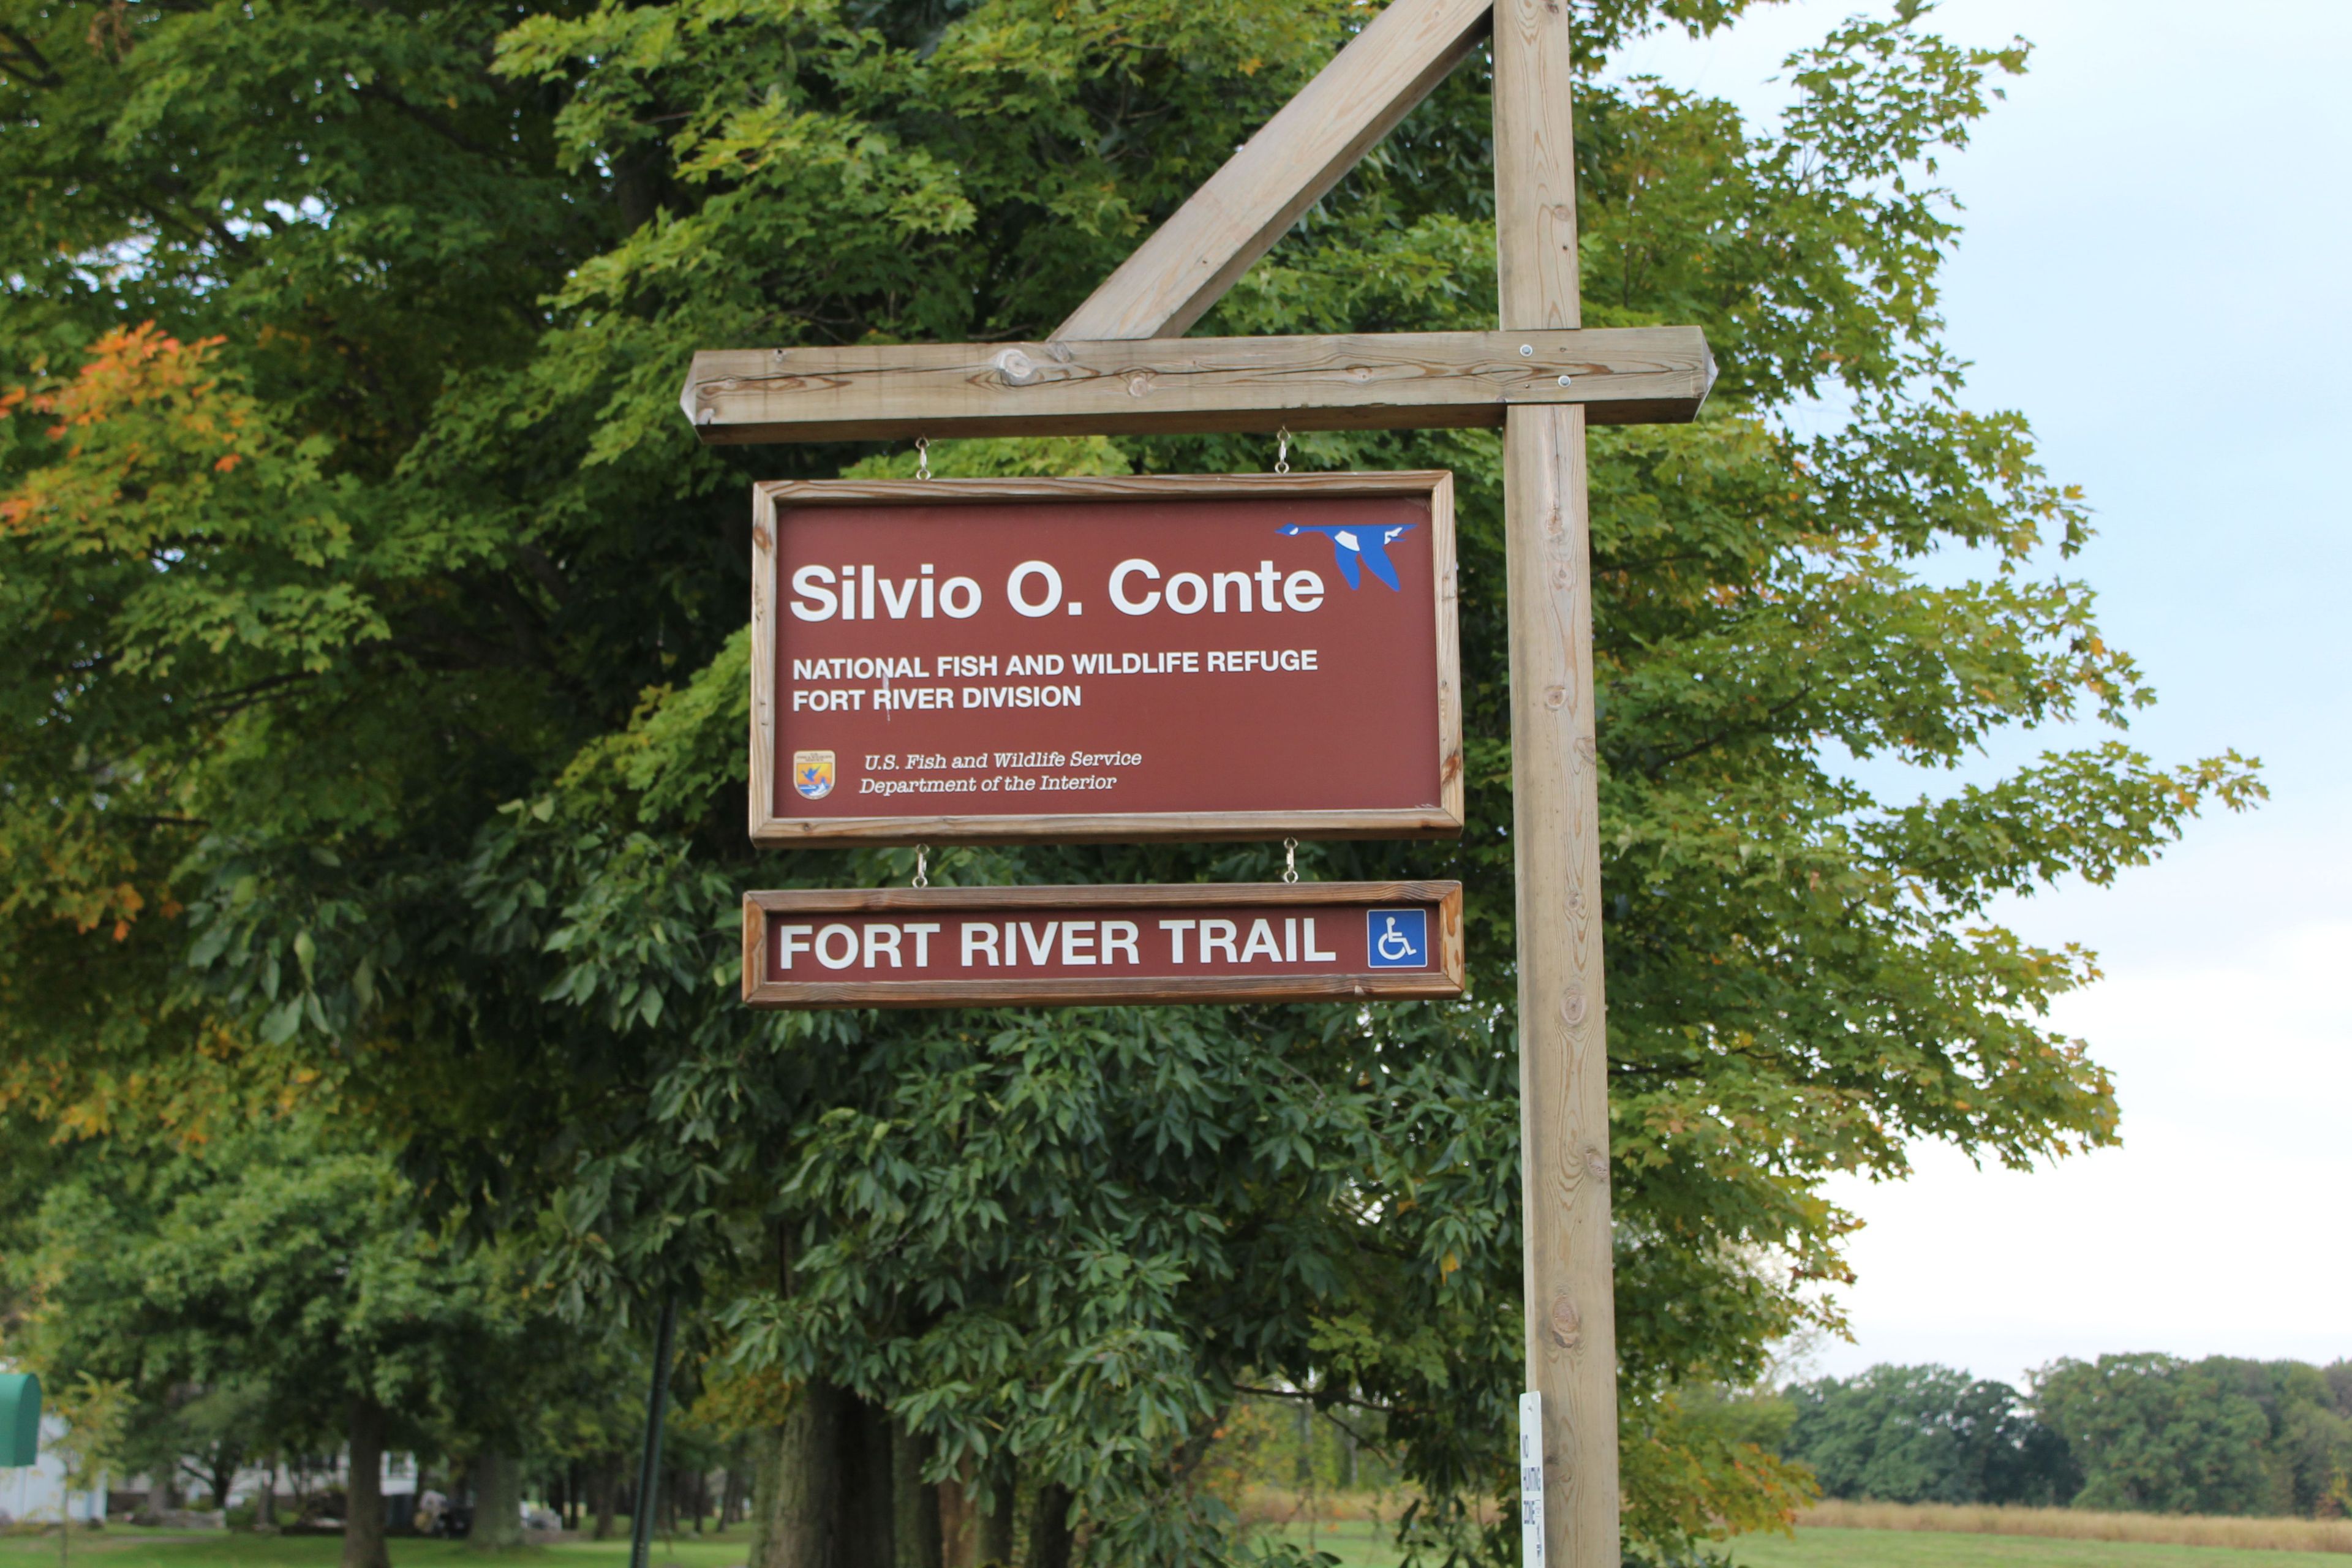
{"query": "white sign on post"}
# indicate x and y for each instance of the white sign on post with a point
(1531, 1458)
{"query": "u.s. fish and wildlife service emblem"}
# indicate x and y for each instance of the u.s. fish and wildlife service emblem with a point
(813, 773)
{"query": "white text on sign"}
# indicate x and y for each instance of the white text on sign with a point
(997, 944)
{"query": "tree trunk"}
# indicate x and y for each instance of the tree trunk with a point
(498, 1503)
(863, 1532)
(914, 1507)
(1051, 1538)
(608, 1482)
(795, 1498)
(220, 1473)
(731, 1496)
(996, 1524)
(265, 1507)
(363, 1544)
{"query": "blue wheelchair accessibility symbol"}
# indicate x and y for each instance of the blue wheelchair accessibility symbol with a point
(1397, 939)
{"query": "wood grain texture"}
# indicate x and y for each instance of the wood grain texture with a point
(1436, 486)
(1571, 1338)
(1535, 166)
(1448, 570)
(1382, 381)
(760, 907)
(1238, 214)
(763, 658)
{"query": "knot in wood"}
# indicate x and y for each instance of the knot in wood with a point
(1554, 698)
(1572, 1007)
(1566, 1328)
(1596, 1164)
(1139, 383)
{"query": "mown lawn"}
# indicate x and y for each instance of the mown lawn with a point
(124, 1546)
(1929, 1549)
(1360, 1545)
(1356, 1545)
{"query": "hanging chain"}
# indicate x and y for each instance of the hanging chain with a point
(1290, 859)
(922, 457)
(1282, 450)
(922, 865)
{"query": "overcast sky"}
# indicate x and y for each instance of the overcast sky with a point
(2154, 271)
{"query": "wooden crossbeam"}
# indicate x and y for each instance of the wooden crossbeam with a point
(1386, 381)
(1240, 212)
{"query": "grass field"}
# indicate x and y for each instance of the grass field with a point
(1928, 1549)
(1362, 1545)
(123, 1546)
(1357, 1543)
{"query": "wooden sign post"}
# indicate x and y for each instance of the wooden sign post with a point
(1121, 364)
(1570, 1305)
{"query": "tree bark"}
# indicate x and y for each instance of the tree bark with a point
(1051, 1539)
(265, 1507)
(863, 1534)
(996, 1524)
(498, 1503)
(914, 1507)
(363, 1545)
(730, 1497)
(608, 1482)
(794, 1504)
(220, 1469)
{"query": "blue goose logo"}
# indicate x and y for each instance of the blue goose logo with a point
(1358, 550)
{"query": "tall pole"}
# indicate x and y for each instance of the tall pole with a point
(641, 1517)
(1572, 1330)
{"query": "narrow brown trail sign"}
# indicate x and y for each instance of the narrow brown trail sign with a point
(1099, 374)
(997, 947)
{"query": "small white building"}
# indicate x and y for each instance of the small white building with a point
(31, 1492)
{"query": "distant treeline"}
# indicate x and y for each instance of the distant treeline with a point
(2149, 1434)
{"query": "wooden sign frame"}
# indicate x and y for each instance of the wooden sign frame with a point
(1121, 362)
(772, 830)
(761, 908)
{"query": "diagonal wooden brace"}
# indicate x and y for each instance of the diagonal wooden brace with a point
(1239, 210)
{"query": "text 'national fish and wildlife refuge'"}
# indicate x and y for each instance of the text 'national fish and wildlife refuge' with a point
(1170, 658)
(1235, 942)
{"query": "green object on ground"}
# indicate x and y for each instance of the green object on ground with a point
(20, 1418)
(1935, 1549)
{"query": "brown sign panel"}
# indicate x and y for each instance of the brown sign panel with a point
(1239, 941)
(1165, 657)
